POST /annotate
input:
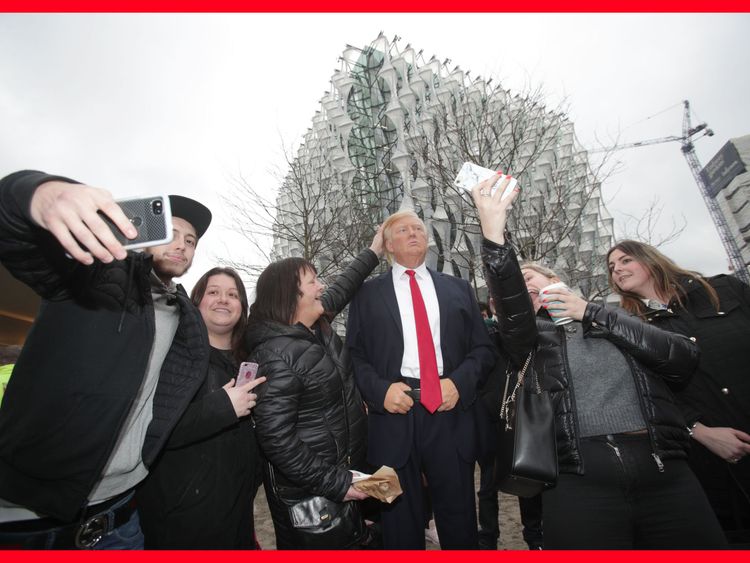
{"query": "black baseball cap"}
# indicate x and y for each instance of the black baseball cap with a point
(195, 213)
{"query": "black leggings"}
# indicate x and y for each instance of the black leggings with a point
(623, 501)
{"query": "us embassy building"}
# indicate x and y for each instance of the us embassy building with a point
(392, 133)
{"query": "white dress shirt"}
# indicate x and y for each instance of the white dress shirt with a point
(410, 361)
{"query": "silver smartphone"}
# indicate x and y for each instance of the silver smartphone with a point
(152, 218)
(471, 174)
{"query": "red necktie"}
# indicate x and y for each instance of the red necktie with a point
(431, 396)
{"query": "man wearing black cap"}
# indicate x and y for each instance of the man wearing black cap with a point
(115, 355)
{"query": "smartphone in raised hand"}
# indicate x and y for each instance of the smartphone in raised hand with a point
(152, 218)
(248, 372)
(471, 174)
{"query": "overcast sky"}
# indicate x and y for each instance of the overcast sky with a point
(184, 103)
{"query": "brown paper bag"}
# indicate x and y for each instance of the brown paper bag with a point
(382, 485)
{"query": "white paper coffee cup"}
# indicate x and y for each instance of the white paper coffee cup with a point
(557, 320)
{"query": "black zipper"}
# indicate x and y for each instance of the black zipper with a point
(652, 439)
(616, 450)
(577, 432)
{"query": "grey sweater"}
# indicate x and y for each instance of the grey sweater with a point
(605, 393)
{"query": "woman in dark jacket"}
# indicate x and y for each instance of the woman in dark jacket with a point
(621, 440)
(311, 422)
(716, 401)
(200, 492)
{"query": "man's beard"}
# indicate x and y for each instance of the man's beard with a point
(165, 268)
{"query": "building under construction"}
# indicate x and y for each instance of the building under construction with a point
(727, 182)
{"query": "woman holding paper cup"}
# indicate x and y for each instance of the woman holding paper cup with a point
(621, 441)
(544, 286)
(310, 419)
(199, 494)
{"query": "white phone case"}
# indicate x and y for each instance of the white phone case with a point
(471, 174)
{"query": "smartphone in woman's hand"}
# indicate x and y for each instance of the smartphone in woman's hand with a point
(248, 371)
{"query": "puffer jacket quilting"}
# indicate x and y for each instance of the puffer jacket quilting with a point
(303, 427)
(654, 356)
(82, 364)
(310, 418)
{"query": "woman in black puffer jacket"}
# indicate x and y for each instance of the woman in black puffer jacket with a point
(310, 419)
(621, 440)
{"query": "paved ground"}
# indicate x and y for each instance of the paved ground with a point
(510, 522)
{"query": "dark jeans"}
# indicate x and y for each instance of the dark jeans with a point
(531, 518)
(623, 501)
(127, 535)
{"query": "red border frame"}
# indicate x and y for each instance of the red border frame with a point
(397, 6)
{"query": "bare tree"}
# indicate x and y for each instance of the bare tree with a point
(649, 227)
(312, 216)
(558, 219)
(392, 133)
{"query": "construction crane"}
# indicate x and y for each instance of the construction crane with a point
(689, 135)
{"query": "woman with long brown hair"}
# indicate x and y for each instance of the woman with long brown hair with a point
(715, 312)
(199, 494)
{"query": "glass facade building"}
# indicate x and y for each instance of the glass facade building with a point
(392, 133)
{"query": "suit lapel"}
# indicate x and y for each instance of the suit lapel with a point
(385, 283)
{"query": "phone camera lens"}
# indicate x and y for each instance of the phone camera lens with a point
(156, 206)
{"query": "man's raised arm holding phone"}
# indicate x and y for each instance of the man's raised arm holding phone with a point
(69, 212)
(115, 355)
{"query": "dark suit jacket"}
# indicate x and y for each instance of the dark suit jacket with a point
(375, 338)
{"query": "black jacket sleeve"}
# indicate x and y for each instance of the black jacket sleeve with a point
(672, 356)
(342, 290)
(211, 410)
(28, 251)
(516, 317)
(206, 416)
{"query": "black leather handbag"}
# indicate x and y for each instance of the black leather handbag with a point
(527, 450)
(320, 523)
